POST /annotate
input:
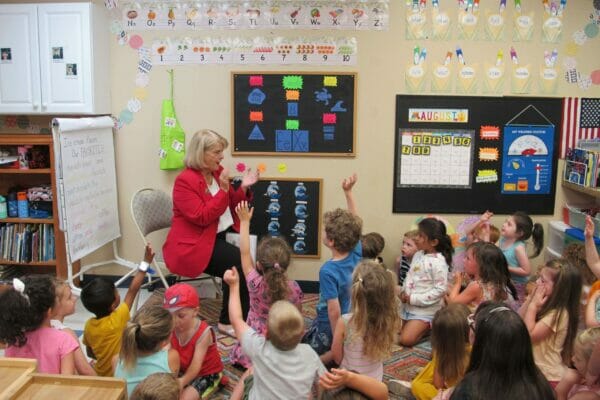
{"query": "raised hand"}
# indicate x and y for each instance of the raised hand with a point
(589, 227)
(148, 254)
(349, 182)
(243, 211)
(231, 276)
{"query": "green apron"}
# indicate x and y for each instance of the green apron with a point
(172, 136)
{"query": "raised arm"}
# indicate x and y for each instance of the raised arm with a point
(245, 213)
(347, 185)
(591, 253)
(232, 278)
(138, 278)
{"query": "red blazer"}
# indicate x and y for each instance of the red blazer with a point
(196, 213)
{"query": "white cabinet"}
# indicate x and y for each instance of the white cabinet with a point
(54, 59)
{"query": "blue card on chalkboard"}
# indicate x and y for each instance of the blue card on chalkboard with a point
(283, 140)
(299, 140)
(292, 109)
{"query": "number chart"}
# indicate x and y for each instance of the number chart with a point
(296, 114)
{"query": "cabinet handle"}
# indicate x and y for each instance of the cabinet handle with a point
(35, 106)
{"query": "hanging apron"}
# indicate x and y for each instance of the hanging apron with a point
(172, 136)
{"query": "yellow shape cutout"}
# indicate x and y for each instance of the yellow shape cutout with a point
(140, 93)
(571, 49)
(282, 168)
(510, 187)
(330, 81)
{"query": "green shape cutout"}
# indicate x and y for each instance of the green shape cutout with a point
(292, 124)
(292, 82)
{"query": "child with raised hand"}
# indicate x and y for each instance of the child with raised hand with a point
(267, 282)
(426, 282)
(64, 306)
(409, 248)
(573, 384)
(282, 367)
(591, 252)
(200, 364)
(102, 334)
(490, 280)
(451, 350)
(516, 229)
(551, 314)
(25, 313)
(342, 232)
(143, 349)
(373, 309)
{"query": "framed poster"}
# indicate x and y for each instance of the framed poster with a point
(290, 208)
(294, 114)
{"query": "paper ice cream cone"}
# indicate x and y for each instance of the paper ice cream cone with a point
(493, 80)
(521, 79)
(467, 79)
(523, 27)
(441, 80)
(548, 80)
(441, 24)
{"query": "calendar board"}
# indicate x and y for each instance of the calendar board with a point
(436, 157)
(463, 154)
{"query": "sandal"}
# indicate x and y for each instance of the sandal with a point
(226, 330)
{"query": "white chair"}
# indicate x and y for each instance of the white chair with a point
(152, 212)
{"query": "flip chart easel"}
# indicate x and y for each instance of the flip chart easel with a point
(87, 190)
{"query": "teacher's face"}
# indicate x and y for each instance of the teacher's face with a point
(213, 157)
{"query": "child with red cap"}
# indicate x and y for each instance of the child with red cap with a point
(201, 367)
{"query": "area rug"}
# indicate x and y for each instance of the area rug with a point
(404, 363)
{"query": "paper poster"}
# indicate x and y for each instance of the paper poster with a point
(468, 23)
(494, 25)
(441, 80)
(416, 22)
(441, 24)
(521, 79)
(436, 157)
(493, 79)
(523, 25)
(527, 159)
(467, 79)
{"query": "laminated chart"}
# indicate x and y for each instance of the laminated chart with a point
(436, 157)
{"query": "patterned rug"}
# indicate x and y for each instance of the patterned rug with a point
(404, 363)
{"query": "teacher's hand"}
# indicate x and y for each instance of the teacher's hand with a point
(224, 180)
(249, 178)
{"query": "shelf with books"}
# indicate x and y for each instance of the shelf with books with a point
(594, 192)
(34, 242)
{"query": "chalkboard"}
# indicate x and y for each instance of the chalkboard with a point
(469, 154)
(294, 114)
(289, 208)
(86, 183)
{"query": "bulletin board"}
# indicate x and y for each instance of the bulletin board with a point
(289, 208)
(294, 114)
(471, 154)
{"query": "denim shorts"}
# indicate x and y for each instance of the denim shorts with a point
(407, 316)
(319, 337)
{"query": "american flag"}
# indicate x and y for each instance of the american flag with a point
(581, 120)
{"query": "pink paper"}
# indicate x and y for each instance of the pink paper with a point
(256, 80)
(329, 118)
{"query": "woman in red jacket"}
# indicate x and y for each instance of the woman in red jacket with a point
(203, 211)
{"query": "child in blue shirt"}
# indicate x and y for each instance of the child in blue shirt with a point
(342, 230)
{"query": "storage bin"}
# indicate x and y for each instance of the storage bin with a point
(556, 236)
(572, 215)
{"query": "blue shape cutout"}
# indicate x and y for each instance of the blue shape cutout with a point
(300, 141)
(292, 109)
(301, 211)
(273, 228)
(256, 97)
(322, 96)
(283, 140)
(256, 134)
(338, 107)
(299, 247)
(328, 131)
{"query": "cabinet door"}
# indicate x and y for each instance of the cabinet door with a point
(65, 58)
(19, 59)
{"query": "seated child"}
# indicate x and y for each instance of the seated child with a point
(409, 248)
(158, 386)
(102, 334)
(341, 384)
(65, 305)
(25, 311)
(201, 367)
(372, 246)
(342, 230)
(143, 347)
(572, 385)
(282, 368)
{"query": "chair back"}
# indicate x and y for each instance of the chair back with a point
(152, 210)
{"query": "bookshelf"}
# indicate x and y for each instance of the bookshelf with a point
(27, 178)
(594, 192)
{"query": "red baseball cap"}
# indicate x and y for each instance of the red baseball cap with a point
(181, 296)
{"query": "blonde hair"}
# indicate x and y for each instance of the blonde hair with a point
(412, 234)
(374, 309)
(158, 386)
(450, 341)
(586, 341)
(149, 328)
(285, 325)
(202, 141)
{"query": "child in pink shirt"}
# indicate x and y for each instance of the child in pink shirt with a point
(25, 313)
